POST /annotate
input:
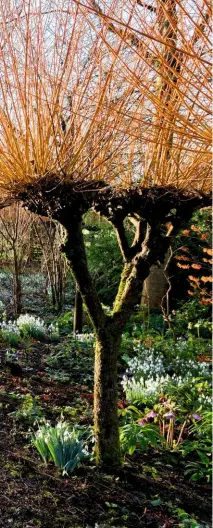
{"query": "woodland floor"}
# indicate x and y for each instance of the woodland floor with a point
(143, 493)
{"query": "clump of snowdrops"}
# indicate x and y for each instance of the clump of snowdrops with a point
(148, 374)
(27, 326)
(10, 333)
(64, 446)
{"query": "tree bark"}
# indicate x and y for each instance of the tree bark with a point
(78, 312)
(105, 398)
(74, 249)
(108, 338)
(17, 293)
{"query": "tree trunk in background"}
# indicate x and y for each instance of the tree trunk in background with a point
(154, 289)
(17, 293)
(78, 312)
(156, 286)
(50, 236)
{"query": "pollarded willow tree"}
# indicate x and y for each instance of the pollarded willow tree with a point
(169, 36)
(83, 126)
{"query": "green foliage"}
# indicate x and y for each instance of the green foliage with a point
(39, 442)
(190, 396)
(74, 361)
(104, 257)
(142, 323)
(164, 378)
(192, 318)
(30, 411)
(203, 430)
(199, 447)
(62, 445)
(65, 322)
(153, 334)
(10, 337)
(186, 520)
(2, 307)
(134, 436)
(201, 469)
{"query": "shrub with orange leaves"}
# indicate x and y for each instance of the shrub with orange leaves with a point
(197, 241)
(195, 228)
(206, 301)
(182, 257)
(183, 266)
(208, 251)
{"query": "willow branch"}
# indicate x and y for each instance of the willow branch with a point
(122, 241)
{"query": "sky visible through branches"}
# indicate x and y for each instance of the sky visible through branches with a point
(118, 91)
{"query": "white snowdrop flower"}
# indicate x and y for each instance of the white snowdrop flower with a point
(39, 434)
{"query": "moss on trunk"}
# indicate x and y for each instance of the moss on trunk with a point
(105, 399)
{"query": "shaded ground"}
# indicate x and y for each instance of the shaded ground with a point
(144, 493)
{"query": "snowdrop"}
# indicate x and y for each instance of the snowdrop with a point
(142, 389)
(29, 320)
(153, 364)
(9, 327)
(148, 374)
(84, 337)
(31, 326)
(53, 331)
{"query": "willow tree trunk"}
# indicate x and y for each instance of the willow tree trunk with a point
(105, 398)
(107, 347)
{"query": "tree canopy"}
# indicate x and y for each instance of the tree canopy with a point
(118, 92)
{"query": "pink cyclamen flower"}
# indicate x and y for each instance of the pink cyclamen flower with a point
(152, 414)
(196, 416)
(169, 415)
(142, 422)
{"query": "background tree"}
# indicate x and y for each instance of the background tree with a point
(16, 227)
(77, 132)
(50, 237)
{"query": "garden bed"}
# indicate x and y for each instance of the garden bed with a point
(148, 491)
